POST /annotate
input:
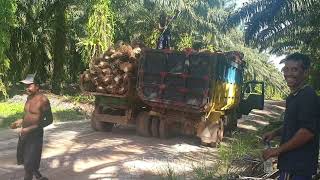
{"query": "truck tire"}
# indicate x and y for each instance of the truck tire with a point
(101, 126)
(163, 129)
(143, 124)
(155, 126)
(98, 125)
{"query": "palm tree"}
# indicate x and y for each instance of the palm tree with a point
(200, 20)
(30, 40)
(282, 26)
(39, 41)
(7, 11)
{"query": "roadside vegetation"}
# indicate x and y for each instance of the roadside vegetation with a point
(231, 162)
(11, 111)
(57, 39)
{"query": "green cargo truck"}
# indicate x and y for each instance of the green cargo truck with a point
(184, 92)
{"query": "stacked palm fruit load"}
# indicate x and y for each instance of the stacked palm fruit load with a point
(111, 72)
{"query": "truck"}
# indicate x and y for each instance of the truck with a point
(182, 92)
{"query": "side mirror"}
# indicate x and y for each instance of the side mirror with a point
(252, 97)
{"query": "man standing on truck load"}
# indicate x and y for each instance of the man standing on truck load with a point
(165, 34)
(165, 29)
(37, 115)
(299, 146)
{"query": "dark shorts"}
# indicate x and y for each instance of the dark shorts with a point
(29, 151)
(164, 41)
(287, 176)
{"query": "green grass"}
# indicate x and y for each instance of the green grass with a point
(240, 145)
(79, 98)
(9, 112)
(63, 115)
(169, 173)
(230, 153)
(205, 173)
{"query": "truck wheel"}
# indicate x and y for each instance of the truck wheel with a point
(155, 126)
(143, 124)
(98, 125)
(163, 129)
(101, 126)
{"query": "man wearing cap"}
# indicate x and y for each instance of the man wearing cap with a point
(165, 36)
(299, 146)
(37, 115)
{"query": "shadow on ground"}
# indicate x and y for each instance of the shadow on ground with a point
(120, 154)
(259, 119)
(74, 151)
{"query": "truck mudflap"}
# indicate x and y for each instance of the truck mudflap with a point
(211, 130)
(211, 133)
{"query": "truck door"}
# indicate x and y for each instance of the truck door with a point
(252, 97)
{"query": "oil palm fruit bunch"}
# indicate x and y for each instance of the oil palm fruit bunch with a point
(110, 73)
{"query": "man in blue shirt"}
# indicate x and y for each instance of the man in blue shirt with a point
(299, 146)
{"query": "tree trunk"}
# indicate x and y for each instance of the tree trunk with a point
(76, 66)
(59, 47)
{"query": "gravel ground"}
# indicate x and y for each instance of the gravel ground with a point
(73, 151)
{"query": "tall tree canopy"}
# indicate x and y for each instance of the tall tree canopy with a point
(199, 23)
(283, 26)
(99, 29)
(56, 39)
(7, 20)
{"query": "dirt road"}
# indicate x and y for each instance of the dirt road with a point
(73, 151)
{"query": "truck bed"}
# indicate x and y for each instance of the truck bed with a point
(180, 80)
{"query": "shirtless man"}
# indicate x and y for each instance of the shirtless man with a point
(37, 115)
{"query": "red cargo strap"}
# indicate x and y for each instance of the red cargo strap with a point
(162, 86)
(167, 51)
(183, 90)
(184, 75)
(179, 104)
(206, 78)
(163, 74)
(206, 93)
